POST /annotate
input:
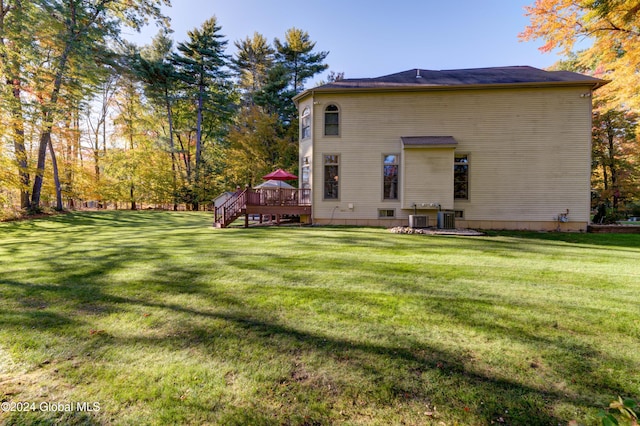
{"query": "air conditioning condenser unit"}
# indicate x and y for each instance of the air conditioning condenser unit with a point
(418, 221)
(446, 220)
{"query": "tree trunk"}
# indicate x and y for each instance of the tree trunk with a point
(96, 164)
(21, 160)
(196, 183)
(174, 181)
(613, 170)
(56, 176)
(199, 132)
(131, 195)
(15, 106)
(20, 149)
(48, 126)
(69, 158)
(605, 176)
(186, 158)
(39, 178)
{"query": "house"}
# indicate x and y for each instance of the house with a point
(495, 148)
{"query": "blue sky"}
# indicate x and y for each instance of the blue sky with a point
(371, 39)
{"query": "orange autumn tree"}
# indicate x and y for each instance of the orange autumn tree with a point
(610, 28)
(611, 31)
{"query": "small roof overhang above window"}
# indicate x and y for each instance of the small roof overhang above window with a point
(428, 142)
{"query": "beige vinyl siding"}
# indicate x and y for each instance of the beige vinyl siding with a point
(529, 149)
(428, 177)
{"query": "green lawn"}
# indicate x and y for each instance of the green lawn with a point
(159, 318)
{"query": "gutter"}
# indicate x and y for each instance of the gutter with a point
(400, 87)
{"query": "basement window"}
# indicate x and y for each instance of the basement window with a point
(386, 213)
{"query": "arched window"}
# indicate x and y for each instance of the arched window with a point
(331, 120)
(306, 123)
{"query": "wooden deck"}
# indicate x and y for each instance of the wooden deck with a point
(266, 201)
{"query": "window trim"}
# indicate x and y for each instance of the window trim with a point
(393, 214)
(305, 173)
(306, 116)
(337, 112)
(397, 164)
(324, 176)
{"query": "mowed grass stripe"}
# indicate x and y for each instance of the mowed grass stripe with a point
(163, 319)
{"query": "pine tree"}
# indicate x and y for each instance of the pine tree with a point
(252, 62)
(202, 66)
(160, 78)
(297, 56)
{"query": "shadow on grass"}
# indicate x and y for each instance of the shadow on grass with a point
(599, 240)
(37, 318)
(398, 376)
(394, 375)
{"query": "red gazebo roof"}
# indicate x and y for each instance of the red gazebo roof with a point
(280, 175)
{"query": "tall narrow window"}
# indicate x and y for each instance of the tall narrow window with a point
(390, 168)
(331, 176)
(305, 173)
(461, 177)
(305, 195)
(306, 123)
(331, 120)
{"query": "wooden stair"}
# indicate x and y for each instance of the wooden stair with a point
(231, 210)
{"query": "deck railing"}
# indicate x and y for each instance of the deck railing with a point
(236, 205)
(279, 197)
(231, 209)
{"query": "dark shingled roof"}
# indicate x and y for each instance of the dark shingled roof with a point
(500, 76)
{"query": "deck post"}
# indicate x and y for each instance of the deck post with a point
(246, 220)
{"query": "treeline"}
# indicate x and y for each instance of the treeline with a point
(87, 118)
